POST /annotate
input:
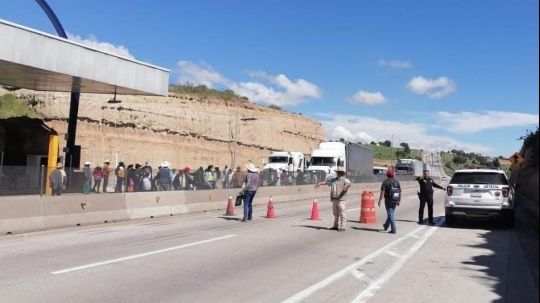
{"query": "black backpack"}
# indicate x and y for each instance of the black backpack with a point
(393, 191)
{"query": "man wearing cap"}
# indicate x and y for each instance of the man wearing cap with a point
(107, 169)
(87, 178)
(391, 191)
(57, 180)
(251, 184)
(339, 185)
(426, 196)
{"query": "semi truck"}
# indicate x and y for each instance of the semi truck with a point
(355, 158)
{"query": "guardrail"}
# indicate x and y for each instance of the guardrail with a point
(34, 212)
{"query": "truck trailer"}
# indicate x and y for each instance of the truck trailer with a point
(355, 158)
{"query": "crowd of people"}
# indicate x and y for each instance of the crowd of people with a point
(140, 178)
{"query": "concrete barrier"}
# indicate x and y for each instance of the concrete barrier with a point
(80, 209)
(155, 204)
(28, 213)
(20, 214)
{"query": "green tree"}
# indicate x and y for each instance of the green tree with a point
(406, 148)
(387, 143)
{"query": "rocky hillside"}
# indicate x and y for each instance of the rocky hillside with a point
(183, 129)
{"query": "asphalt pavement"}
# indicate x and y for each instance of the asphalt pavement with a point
(215, 258)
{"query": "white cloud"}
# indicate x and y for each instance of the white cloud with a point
(200, 74)
(367, 129)
(363, 97)
(434, 88)
(398, 64)
(276, 90)
(469, 122)
(93, 42)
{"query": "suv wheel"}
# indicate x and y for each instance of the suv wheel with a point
(449, 218)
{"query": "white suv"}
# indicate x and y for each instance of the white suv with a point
(479, 193)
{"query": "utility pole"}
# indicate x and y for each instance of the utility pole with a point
(235, 138)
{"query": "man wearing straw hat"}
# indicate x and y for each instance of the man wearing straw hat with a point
(339, 185)
(249, 189)
(57, 180)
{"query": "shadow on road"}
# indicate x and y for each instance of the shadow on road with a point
(230, 218)
(368, 229)
(313, 227)
(508, 261)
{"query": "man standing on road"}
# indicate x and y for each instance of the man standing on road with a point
(391, 191)
(426, 196)
(339, 185)
(250, 189)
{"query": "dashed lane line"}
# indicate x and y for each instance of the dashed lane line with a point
(155, 252)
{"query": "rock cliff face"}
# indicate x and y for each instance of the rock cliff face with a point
(185, 130)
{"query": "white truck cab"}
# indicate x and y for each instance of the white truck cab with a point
(288, 161)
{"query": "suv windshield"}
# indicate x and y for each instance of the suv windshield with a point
(479, 178)
(323, 161)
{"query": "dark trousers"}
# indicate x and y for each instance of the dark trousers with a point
(105, 183)
(248, 205)
(57, 191)
(119, 185)
(423, 200)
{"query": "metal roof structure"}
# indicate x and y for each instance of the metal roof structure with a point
(36, 60)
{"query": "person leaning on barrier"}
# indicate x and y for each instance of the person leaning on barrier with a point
(87, 177)
(391, 192)
(120, 174)
(426, 196)
(107, 169)
(97, 173)
(339, 185)
(57, 180)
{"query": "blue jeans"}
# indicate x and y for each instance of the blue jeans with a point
(391, 218)
(248, 204)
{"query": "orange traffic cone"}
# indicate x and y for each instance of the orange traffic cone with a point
(230, 208)
(315, 210)
(270, 211)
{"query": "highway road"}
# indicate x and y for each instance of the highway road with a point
(212, 258)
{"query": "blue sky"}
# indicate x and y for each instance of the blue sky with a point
(435, 74)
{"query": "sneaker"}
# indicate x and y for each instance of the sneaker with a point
(342, 229)
(420, 222)
(392, 232)
(385, 226)
(244, 220)
(431, 223)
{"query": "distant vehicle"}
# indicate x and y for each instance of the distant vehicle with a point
(480, 193)
(285, 160)
(356, 158)
(410, 167)
(380, 170)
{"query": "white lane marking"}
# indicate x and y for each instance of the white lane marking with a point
(377, 284)
(299, 297)
(361, 276)
(160, 251)
(393, 254)
(352, 209)
(416, 236)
